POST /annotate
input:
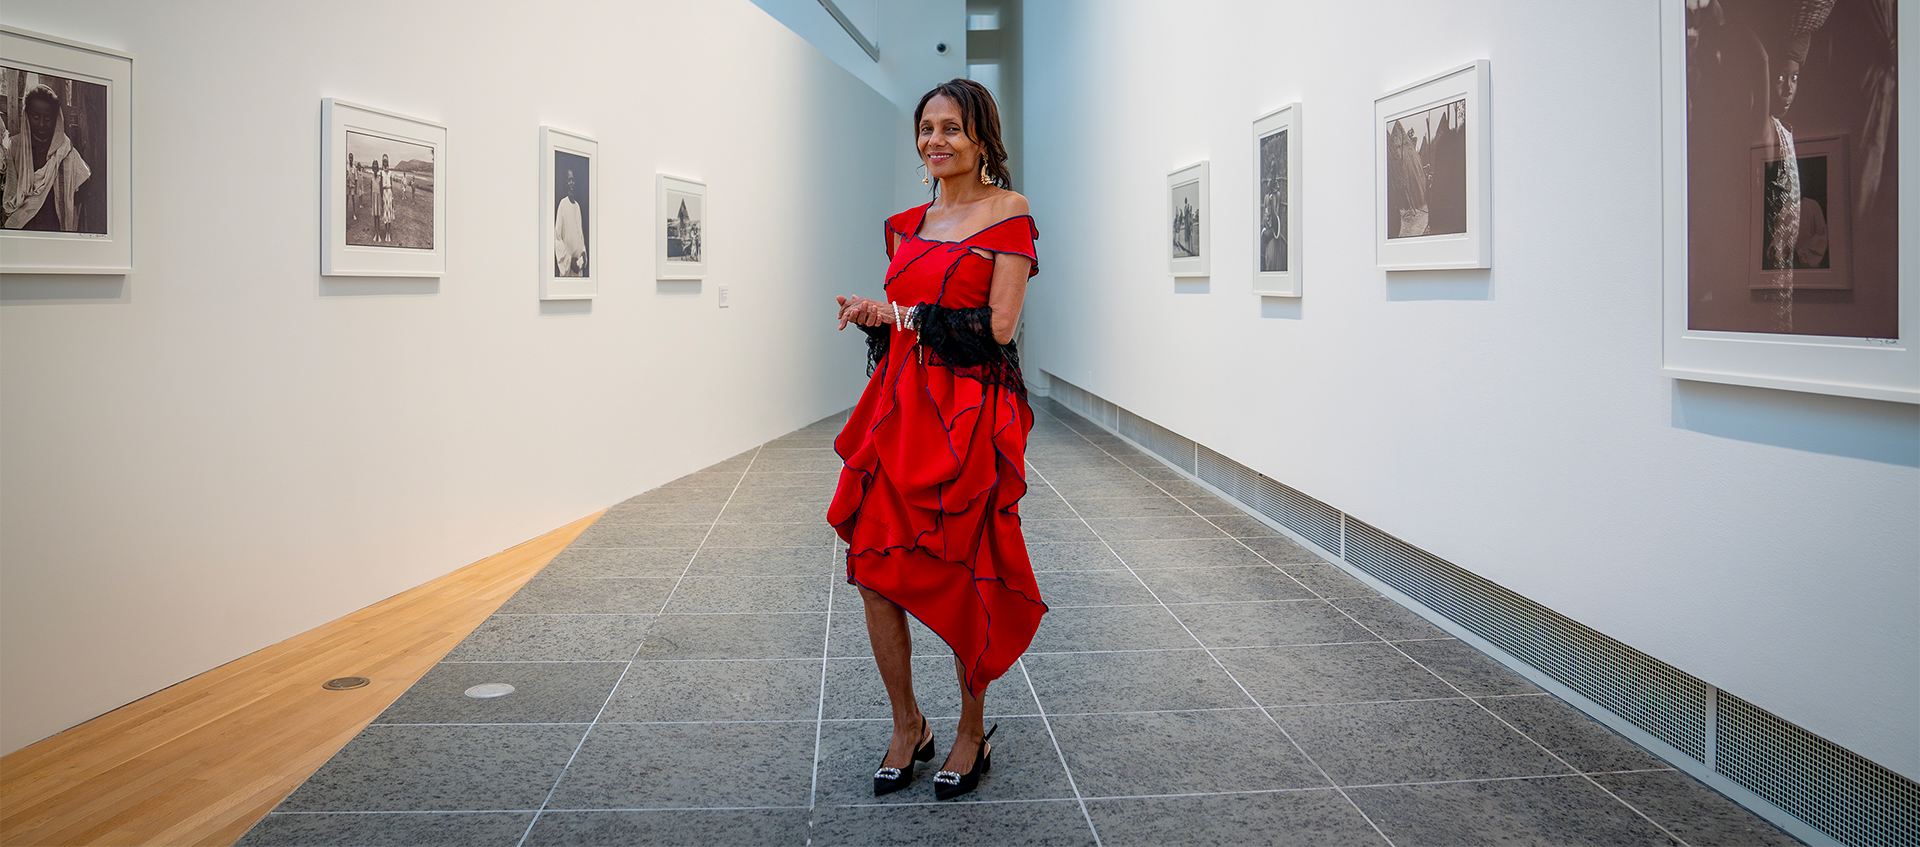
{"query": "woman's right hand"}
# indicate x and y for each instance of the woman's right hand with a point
(861, 311)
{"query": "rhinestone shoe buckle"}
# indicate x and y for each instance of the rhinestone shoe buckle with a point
(947, 778)
(887, 773)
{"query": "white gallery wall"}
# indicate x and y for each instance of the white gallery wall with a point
(225, 449)
(1513, 421)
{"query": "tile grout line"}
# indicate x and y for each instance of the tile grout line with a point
(1064, 767)
(1216, 659)
(1396, 648)
(820, 716)
(582, 743)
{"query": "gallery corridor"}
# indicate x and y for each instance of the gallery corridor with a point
(693, 670)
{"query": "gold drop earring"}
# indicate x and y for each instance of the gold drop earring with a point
(984, 179)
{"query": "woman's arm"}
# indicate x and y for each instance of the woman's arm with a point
(1008, 294)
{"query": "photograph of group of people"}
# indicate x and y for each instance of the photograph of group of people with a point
(390, 192)
(1427, 172)
(53, 142)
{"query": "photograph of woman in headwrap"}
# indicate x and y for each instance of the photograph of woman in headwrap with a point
(50, 166)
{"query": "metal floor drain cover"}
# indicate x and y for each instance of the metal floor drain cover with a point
(344, 683)
(490, 690)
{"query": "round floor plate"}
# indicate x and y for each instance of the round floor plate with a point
(490, 690)
(345, 683)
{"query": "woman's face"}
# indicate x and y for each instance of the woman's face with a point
(42, 116)
(944, 145)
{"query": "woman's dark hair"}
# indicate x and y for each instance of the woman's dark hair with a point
(979, 117)
(42, 92)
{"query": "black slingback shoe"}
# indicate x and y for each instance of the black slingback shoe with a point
(888, 780)
(948, 785)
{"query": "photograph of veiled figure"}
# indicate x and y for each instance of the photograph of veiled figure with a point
(684, 227)
(1273, 203)
(1427, 172)
(1793, 167)
(1186, 220)
(390, 192)
(573, 214)
(53, 146)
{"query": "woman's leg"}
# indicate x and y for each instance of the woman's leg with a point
(966, 741)
(893, 652)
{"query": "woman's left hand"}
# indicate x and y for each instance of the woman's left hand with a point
(861, 311)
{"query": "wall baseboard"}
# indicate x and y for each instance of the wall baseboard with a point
(1814, 789)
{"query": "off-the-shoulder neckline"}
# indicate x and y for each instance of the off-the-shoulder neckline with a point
(922, 217)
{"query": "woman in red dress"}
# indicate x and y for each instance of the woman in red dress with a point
(935, 451)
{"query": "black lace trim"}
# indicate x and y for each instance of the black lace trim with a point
(962, 340)
(878, 340)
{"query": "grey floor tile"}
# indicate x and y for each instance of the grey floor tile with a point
(612, 596)
(1559, 811)
(1282, 551)
(724, 828)
(1025, 766)
(854, 690)
(1092, 588)
(1089, 471)
(676, 492)
(439, 768)
(803, 511)
(1138, 487)
(1047, 508)
(605, 534)
(796, 461)
(1381, 743)
(629, 562)
(735, 637)
(1391, 620)
(1585, 743)
(1109, 628)
(1181, 487)
(553, 638)
(544, 692)
(1209, 505)
(1071, 556)
(763, 690)
(1133, 681)
(665, 766)
(1045, 824)
(1330, 673)
(805, 534)
(847, 635)
(765, 561)
(402, 829)
(1328, 581)
(1305, 818)
(739, 595)
(1134, 507)
(1222, 585)
(776, 496)
(1155, 529)
(723, 479)
(1152, 469)
(1691, 810)
(700, 512)
(1243, 526)
(1055, 531)
(1270, 624)
(1468, 669)
(1180, 753)
(1221, 553)
(805, 479)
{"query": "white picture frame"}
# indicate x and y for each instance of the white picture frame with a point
(1276, 203)
(92, 225)
(1433, 172)
(383, 194)
(1189, 220)
(569, 220)
(1865, 367)
(679, 253)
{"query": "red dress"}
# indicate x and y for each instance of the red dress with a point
(936, 464)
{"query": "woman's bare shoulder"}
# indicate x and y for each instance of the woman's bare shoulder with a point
(1009, 204)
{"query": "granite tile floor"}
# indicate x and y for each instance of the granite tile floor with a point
(695, 670)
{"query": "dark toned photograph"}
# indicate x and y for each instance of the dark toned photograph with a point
(572, 216)
(1793, 167)
(1186, 220)
(1273, 203)
(683, 227)
(53, 153)
(1427, 172)
(390, 192)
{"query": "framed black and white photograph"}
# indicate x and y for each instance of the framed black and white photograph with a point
(569, 183)
(680, 228)
(1187, 221)
(65, 156)
(1433, 171)
(1276, 193)
(1781, 200)
(384, 201)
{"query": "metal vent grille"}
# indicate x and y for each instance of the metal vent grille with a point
(1167, 444)
(1287, 506)
(1653, 695)
(1836, 791)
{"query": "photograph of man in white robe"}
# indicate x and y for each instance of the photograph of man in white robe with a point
(569, 235)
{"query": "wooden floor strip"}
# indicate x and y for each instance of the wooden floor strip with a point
(202, 761)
